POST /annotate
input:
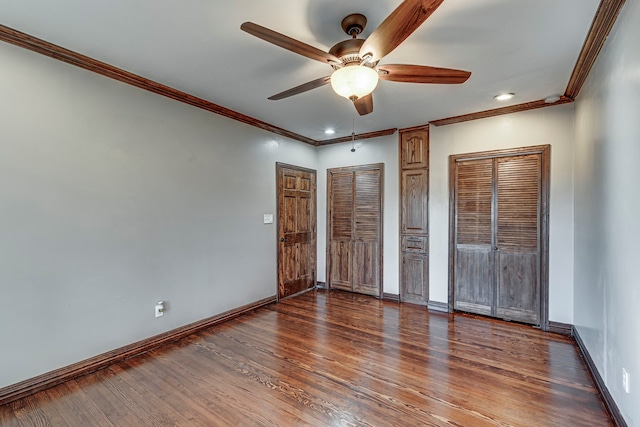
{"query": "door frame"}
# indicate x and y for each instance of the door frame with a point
(545, 157)
(314, 235)
(356, 168)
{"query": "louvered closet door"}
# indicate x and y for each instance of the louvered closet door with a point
(497, 237)
(474, 253)
(367, 233)
(354, 248)
(517, 238)
(340, 191)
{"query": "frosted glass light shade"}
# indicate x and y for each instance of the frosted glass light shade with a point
(354, 81)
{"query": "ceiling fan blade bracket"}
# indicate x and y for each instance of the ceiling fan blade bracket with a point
(367, 60)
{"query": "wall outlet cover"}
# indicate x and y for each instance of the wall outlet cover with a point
(159, 310)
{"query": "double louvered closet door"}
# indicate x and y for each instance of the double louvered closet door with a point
(499, 235)
(354, 241)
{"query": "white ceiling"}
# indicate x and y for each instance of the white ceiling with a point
(524, 46)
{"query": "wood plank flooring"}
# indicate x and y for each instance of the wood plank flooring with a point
(335, 359)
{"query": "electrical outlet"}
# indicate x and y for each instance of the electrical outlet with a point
(626, 381)
(160, 309)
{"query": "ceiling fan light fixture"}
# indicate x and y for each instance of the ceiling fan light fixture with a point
(504, 96)
(354, 81)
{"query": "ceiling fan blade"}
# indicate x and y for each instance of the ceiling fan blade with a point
(288, 43)
(364, 105)
(398, 26)
(422, 74)
(302, 88)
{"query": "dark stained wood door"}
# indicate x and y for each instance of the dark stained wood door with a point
(517, 237)
(354, 229)
(296, 229)
(339, 262)
(414, 218)
(474, 251)
(500, 234)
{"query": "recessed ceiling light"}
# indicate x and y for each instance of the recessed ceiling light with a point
(504, 96)
(329, 131)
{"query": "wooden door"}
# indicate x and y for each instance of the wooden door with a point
(500, 234)
(474, 241)
(296, 229)
(517, 238)
(354, 229)
(414, 218)
(340, 195)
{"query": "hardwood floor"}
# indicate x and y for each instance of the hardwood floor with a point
(333, 358)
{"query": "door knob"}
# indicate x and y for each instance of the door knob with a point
(283, 239)
(496, 248)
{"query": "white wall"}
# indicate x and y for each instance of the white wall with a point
(377, 150)
(552, 125)
(112, 198)
(607, 211)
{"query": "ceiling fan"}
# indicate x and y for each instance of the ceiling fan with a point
(355, 61)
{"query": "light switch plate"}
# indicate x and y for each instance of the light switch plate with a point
(268, 218)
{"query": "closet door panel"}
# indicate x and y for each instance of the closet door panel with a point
(340, 269)
(365, 262)
(367, 206)
(518, 287)
(367, 232)
(415, 272)
(474, 279)
(340, 191)
(341, 205)
(414, 149)
(415, 186)
(474, 251)
(517, 237)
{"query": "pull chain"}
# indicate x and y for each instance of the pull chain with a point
(353, 136)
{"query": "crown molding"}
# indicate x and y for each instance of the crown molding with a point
(600, 28)
(500, 111)
(51, 50)
(357, 137)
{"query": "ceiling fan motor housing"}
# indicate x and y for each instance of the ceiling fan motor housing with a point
(348, 51)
